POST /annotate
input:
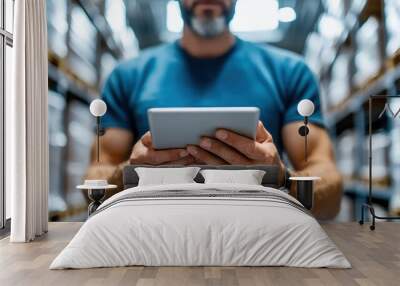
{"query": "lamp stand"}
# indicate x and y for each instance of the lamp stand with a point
(369, 205)
(304, 131)
(306, 139)
(98, 138)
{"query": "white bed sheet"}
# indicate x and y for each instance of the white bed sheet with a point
(200, 232)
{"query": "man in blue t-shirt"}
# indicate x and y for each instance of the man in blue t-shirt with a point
(208, 66)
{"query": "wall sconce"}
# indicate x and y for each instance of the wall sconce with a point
(96, 188)
(305, 185)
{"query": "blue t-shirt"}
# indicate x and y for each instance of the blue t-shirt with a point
(248, 75)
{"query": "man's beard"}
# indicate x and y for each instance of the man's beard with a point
(209, 27)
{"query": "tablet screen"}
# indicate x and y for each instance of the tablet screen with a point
(179, 127)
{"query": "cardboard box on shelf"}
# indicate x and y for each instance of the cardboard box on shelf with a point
(368, 59)
(392, 23)
(57, 27)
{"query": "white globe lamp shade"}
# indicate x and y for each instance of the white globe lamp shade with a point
(98, 108)
(305, 108)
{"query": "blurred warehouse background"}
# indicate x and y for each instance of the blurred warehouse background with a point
(352, 46)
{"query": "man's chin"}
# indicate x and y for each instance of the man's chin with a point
(209, 28)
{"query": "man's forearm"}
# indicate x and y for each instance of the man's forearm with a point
(327, 191)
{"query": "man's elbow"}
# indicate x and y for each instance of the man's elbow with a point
(329, 198)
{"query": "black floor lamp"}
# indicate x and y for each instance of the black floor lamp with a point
(369, 205)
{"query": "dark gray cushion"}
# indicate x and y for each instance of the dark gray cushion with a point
(271, 177)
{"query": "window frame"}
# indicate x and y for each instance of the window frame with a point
(6, 39)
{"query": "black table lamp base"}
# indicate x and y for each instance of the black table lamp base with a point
(305, 190)
(96, 196)
(305, 193)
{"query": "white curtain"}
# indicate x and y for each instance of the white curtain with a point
(26, 119)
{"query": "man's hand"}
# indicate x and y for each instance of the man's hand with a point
(231, 148)
(144, 153)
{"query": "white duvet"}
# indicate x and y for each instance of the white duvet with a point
(202, 231)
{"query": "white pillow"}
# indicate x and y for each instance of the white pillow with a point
(166, 176)
(248, 177)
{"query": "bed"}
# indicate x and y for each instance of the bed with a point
(198, 224)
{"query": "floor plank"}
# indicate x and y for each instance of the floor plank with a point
(375, 257)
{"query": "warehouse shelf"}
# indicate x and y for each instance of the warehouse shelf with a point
(351, 24)
(355, 102)
(102, 26)
(358, 193)
(68, 86)
(361, 189)
(338, 46)
(352, 66)
(84, 35)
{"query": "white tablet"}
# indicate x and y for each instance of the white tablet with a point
(179, 127)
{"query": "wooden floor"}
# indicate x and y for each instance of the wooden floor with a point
(375, 257)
